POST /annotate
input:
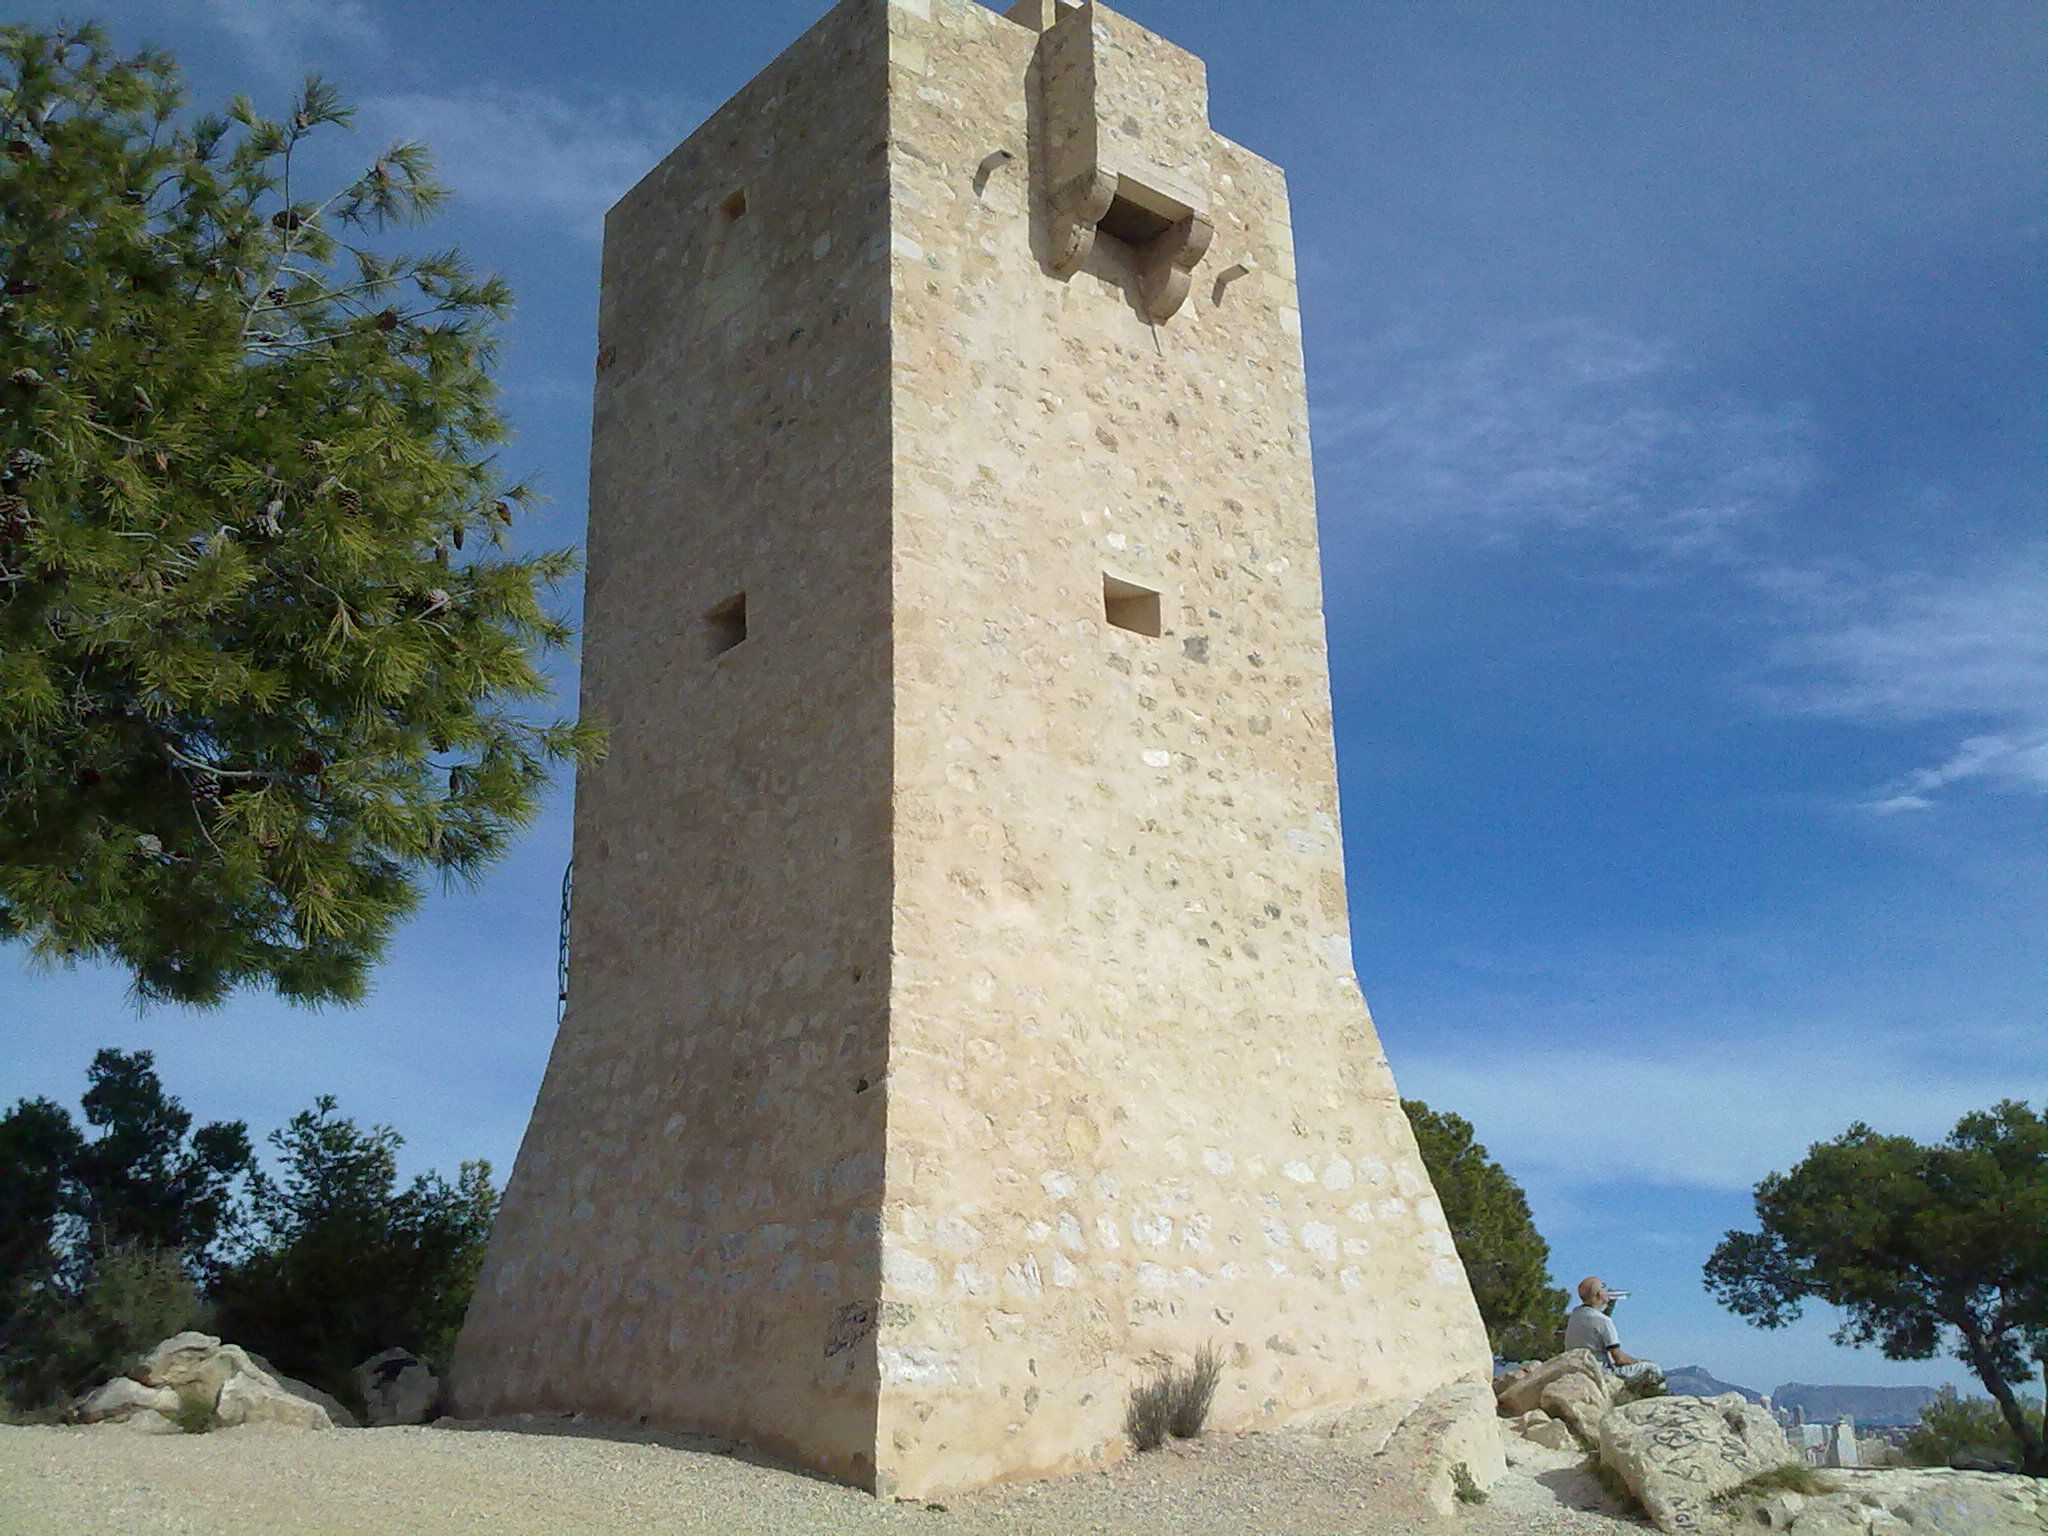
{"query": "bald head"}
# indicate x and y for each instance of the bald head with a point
(1591, 1289)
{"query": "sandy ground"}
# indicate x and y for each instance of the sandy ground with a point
(497, 1481)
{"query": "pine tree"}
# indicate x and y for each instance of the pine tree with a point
(1505, 1257)
(1924, 1249)
(266, 660)
(103, 1242)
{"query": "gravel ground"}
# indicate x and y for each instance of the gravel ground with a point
(498, 1481)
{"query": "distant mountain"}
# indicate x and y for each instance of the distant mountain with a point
(1866, 1405)
(1698, 1381)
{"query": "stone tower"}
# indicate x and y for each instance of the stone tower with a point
(961, 1016)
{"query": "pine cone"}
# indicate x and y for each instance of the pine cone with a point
(351, 501)
(455, 535)
(387, 319)
(504, 512)
(308, 762)
(286, 219)
(27, 378)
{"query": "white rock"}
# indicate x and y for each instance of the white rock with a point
(1908, 1501)
(1519, 1391)
(1677, 1453)
(122, 1398)
(1580, 1401)
(337, 1414)
(1551, 1434)
(251, 1397)
(1451, 1429)
(184, 1360)
(1777, 1512)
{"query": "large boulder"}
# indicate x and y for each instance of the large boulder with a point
(122, 1399)
(1521, 1390)
(397, 1387)
(1900, 1501)
(252, 1397)
(1539, 1428)
(1450, 1442)
(338, 1414)
(1676, 1454)
(1580, 1401)
(188, 1363)
(197, 1369)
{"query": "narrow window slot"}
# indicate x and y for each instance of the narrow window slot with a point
(726, 625)
(1129, 606)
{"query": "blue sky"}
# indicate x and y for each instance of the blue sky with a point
(1677, 386)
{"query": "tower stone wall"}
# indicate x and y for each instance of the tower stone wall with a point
(961, 1017)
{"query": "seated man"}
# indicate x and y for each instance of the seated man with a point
(1591, 1328)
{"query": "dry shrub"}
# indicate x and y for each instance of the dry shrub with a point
(1173, 1401)
(1150, 1413)
(1792, 1477)
(1193, 1391)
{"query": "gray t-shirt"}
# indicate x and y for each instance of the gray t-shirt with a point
(1590, 1328)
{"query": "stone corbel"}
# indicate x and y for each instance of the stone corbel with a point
(1076, 209)
(1169, 264)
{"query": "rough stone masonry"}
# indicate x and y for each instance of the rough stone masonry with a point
(962, 1018)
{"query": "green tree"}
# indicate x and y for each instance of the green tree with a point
(38, 1147)
(1924, 1248)
(346, 1262)
(1961, 1430)
(104, 1241)
(1505, 1256)
(265, 660)
(148, 1180)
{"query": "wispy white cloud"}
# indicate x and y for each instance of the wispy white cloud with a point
(1999, 760)
(1967, 646)
(532, 154)
(1924, 647)
(1560, 427)
(1572, 429)
(283, 36)
(1704, 1115)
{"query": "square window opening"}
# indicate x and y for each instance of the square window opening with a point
(726, 625)
(1129, 606)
